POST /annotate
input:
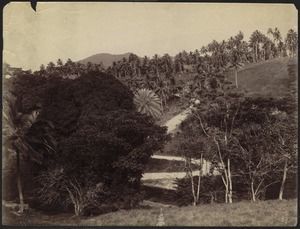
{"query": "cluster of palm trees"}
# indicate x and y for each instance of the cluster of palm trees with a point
(166, 76)
(260, 47)
(163, 73)
(69, 69)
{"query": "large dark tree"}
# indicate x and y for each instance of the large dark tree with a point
(101, 138)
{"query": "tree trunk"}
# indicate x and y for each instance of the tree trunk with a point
(19, 183)
(229, 181)
(252, 191)
(236, 78)
(199, 178)
(225, 180)
(226, 194)
(211, 198)
(256, 57)
(283, 180)
(193, 190)
(78, 209)
(253, 54)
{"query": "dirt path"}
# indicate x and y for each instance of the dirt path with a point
(173, 123)
(167, 178)
(164, 175)
(156, 204)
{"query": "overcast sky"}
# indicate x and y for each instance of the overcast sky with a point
(78, 30)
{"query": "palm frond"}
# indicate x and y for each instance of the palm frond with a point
(147, 102)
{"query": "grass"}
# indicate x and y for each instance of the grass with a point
(269, 78)
(141, 217)
(262, 213)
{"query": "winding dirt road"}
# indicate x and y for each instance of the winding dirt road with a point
(166, 179)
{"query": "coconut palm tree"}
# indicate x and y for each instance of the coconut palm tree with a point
(147, 102)
(50, 68)
(204, 50)
(291, 42)
(235, 64)
(276, 37)
(16, 138)
(255, 39)
(162, 88)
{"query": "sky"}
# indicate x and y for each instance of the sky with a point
(77, 30)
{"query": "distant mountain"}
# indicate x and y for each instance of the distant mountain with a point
(106, 58)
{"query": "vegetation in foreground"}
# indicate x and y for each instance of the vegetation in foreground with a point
(262, 213)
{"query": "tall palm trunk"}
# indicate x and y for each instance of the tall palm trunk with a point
(236, 77)
(256, 52)
(283, 180)
(253, 53)
(19, 183)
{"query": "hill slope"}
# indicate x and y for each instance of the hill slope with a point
(270, 78)
(106, 58)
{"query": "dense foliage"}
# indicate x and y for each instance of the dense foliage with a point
(102, 141)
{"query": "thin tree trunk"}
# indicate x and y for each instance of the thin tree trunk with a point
(253, 54)
(199, 178)
(193, 190)
(236, 78)
(229, 181)
(211, 198)
(256, 58)
(19, 184)
(226, 194)
(225, 180)
(283, 180)
(252, 191)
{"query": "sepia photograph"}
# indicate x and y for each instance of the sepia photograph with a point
(150, 114)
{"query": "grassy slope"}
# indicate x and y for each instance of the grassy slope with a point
(269, 78)
(264, 213)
